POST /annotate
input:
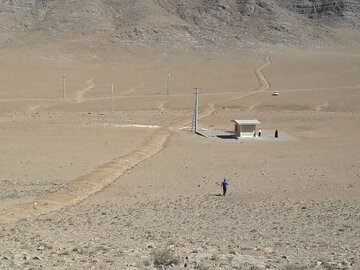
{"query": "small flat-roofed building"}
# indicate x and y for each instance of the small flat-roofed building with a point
(245, 128)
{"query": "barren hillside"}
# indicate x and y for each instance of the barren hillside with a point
(171, 23)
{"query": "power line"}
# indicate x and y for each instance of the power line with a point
(64, 87)
(168, 84)
(112, 98)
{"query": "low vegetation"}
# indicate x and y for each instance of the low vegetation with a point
(165, 257)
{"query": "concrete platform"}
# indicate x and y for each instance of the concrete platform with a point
(221, 135)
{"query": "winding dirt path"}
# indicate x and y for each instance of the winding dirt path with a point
(95, 181)
(80, 94)
(263, 82)
(90, 183)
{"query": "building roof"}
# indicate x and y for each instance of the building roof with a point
(247, 122)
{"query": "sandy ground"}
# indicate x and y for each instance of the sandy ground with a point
(82, 189)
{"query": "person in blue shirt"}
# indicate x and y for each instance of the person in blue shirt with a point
(224, 185)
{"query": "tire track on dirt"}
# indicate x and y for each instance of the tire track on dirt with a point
(80, 94)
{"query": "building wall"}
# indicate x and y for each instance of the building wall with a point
(247, 130)
(237, 130)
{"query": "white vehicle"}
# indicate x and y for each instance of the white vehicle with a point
(275, 93)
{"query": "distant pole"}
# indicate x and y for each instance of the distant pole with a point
(168, 84)
(64, 87)
(112, 98)
(196, 110)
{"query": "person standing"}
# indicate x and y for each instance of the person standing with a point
(276, 134)
(224, 185)
(259, 132)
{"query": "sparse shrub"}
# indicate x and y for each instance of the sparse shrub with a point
(164, 257)
(203, 266)
(325, 265)
(328, 266)
(293, 267)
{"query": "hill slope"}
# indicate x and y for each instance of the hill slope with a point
(171, 23)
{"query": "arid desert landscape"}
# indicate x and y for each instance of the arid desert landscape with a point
(100, 168)
(84, 188)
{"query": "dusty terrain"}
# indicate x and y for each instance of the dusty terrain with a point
(92, 178)
(84, 188)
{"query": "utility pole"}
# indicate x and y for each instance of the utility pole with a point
(112, 98)
(196, 110)
(64, 87)
(168, 84)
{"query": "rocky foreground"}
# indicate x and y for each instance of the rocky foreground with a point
(202, 232)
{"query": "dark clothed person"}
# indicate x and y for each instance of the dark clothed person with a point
(224, 185)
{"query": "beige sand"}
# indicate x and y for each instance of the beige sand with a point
(289, 202)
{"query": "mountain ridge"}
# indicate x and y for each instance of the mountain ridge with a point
(178, 24)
